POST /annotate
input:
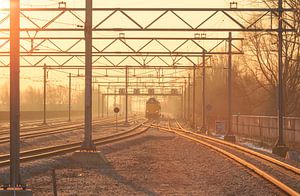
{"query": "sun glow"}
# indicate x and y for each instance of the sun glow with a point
(4, 4)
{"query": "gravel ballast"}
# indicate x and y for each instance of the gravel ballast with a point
(154, 163)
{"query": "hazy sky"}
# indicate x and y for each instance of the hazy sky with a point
(126, 3)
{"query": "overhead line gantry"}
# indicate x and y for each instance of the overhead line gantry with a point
(85, 25)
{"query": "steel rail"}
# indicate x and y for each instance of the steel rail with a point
(36, 122)
(46, 152)
(54, 131)
(48, 126)
(33, 124)
(38, 125)
(247, 150)
(243, 162)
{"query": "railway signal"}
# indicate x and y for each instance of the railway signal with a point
(116, 111)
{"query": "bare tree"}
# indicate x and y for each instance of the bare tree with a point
(57, 94)
(263, 63)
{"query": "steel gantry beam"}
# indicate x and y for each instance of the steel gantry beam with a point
(182, 62)
(132, 77)
(136, 80)
(153, 86)
(157, 87)
(142, 94)
(132, 15)
(104, 67)
(40, 46)
(54, 52)
(137, 83)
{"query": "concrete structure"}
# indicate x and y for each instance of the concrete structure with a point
(89, 159)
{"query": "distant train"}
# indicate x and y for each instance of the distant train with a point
(153, 109)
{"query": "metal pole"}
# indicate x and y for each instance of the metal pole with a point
(70, 91)
(203, 93)
(280, 76)
(189, 97)
(121, 101)
(129, 105)
(229, 85)
(88, 142)
(45, 95)
(116, 121)
(184, 103)
(107, 99)
(139, 104)
(115, 97)
(14, 93)
(194, 96)
(102, 105)
(126, 97)
(229, 136)
(98, 100)
(280, 148)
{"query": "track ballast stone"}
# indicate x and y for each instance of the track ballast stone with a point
(155, 163)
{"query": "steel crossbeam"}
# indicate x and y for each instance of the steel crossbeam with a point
(105, 67)
(142, 94)
(105, 53)
(155, 16)
(56, 45)
(149, 82)
(133, 77)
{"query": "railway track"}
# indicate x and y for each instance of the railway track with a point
(282, 175)
(46, 152)
(39, 126)
(54, 130)
(38, 123)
